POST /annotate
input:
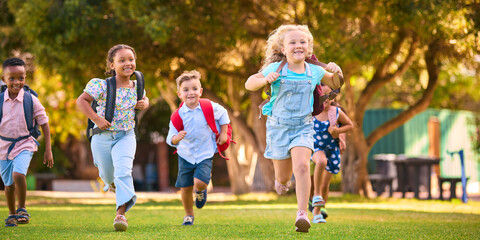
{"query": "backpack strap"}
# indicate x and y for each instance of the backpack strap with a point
(2, 99)
(332, 115)
(177, 120)
(267, 89)
(207, 110)
(109, 107)
(28, 110)
(140, 84)
(313, 60)
(111, 96)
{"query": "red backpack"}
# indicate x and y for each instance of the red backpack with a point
(207, 109)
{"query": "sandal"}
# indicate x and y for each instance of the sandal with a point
(317, 201)
(120, 223)
(22, 216)
(324, 213)
(11, 221)
(318, 219)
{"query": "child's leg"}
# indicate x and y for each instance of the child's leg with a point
(21, 188)
(283, 170)
(187, 200)
(122, 209)
(199, 184)
(326, 184)
(102, 157)
(123, 153)
(301, 170)
(6, 170)
(20, 167)
(320, 163)
(202, 174)
(10, 196)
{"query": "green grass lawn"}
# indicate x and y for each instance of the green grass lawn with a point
(350, 217)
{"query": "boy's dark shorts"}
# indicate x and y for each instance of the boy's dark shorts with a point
(188, 171)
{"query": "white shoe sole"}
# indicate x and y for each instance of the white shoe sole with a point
(120, 226)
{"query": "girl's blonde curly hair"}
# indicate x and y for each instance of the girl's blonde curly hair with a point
(275, 43)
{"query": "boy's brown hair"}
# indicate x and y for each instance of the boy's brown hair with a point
(188, 75)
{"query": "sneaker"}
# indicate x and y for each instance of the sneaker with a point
(200, 198)
(188, 220)
(112, 187)
(302, 224)
(280, 188)
(310, 207)
(120, 223)
(324, 213)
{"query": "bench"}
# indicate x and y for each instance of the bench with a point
(380, 181)
(453, 186)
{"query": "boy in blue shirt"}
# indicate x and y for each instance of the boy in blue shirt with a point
(196, 143)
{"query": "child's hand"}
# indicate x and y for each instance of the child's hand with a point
(48, 158)
(271, 77)
(337, 73)
(333, 68)
(342, 146)
(102, 123)
(222, 138)
(333, 131)
(141, 104)
(181, 135)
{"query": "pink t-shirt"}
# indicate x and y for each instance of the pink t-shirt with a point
(13, 125)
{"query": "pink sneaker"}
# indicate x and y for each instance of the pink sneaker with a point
(302, 224)
(280, 188)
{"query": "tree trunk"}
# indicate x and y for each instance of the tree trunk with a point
(354, 161)
(354, 165)
(81, 158)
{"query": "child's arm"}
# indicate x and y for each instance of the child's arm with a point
(257, 81)
(177, 138)
(342, 139)
(223, 134)
(331, 77)
(345, 122)
(48, 155)
(84, 104)
(143, 104)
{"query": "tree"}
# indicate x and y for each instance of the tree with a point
(400, 40)
(396, 41)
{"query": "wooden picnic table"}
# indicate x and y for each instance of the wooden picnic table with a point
(403, 164)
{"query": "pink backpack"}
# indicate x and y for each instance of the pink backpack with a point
(207, 109)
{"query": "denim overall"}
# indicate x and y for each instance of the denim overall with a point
(290, 124)
(326, 143)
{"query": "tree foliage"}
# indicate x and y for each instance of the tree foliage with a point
(396, 53)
